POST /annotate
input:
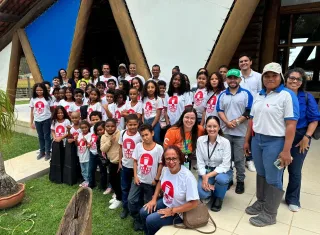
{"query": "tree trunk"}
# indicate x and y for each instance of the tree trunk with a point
(8, 186)
(77, 218)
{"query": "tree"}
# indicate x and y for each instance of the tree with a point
(8, 185)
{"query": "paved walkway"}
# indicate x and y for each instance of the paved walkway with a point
(233, 220)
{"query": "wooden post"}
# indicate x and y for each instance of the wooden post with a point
(232, 33)
(39, 7)
(16, 52)
(79, 35)
(269, 41)
(31, 60)
(129, 37)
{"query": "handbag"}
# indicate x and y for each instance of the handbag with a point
(196, 218)
(316, 133)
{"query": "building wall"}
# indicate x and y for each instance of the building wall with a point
(4, 66)
(178, 32)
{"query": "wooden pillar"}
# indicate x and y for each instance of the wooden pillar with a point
(129, 37)
(79, 35)
(31, 60)
(16, 52)
(232, 33)
(269, 41)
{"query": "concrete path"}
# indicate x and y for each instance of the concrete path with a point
(233, 220)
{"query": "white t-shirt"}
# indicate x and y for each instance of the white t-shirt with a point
(211, 102)
(178, 188)
(199, 101)
(66, 105)
(147, 162)
(74, 132)
(105, 80)
(137, 108)
(93, 142)
(128, 143)
(74, 108)
(150, 107)
(83, 151)
(95, 81)
(55, 104)
(129, 78)
(176, 106)
(116, 114)
(60, 128)
(85, 101)
(95, 107)
(41, 108)
(162, 119)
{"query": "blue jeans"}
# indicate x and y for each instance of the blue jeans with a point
(153, 222)
(85, 170)
(126, 179)
(44, 134)
(138, 196)
(156, 129)
(294, 169)
(265, 151)
(220, 182)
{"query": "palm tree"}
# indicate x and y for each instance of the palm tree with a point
(8, 185)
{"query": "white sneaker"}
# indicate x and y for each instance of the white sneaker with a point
(251, 166)
(294, 208)
(115, 204)
(112, 200)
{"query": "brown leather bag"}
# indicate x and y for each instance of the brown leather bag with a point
(196, 218)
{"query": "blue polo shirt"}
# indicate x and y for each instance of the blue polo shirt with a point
(308, 113)
(233, 107)
(270, 111)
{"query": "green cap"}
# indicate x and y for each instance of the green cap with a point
(234, 72)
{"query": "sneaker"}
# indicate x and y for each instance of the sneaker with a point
(251, 166)
(108, 191)
(124, 213)
(112, 200)
(114, 195)
(40, 155)
(294, 208)
(84, 184)
(115, 204)
(47, 156)
(240, 187)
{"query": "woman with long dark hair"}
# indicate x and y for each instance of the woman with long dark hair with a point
(74, 78)
(62, 75)
(179, 97)
(295, 80)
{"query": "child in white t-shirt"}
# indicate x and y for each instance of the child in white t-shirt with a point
(134, 105)
(114, 110)
(83, 146)
(69, 99)
(41, 107)
(128, 140)
(164, 119)
(78, 97)
(152, 106)
(147, 168)
(200, 95)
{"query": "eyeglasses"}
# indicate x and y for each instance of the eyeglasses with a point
(171, 159)
(292, 78)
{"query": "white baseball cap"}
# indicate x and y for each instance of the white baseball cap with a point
(273, 67)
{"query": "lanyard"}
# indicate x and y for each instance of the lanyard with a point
(214, 148)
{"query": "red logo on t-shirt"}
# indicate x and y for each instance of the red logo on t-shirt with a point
(60, 131)
(173, 103)
(198, 98)
(94, 139)
(211, 104)
(148, 109)
(146, 162)
(168, 192)
(82, 146)
(117, 115)
(128, 145)
(67, 108)
(131, 111)
(39, 107)
(90, 110)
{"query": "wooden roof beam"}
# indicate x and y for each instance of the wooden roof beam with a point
(4, 17)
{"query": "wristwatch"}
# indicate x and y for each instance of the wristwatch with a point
(308, 136)
(238, 122)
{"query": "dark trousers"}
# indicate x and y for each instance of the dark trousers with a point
(95, 161)
(138, 196)
(44, 135)
(294, 169)
(126, 179)
(115, 180)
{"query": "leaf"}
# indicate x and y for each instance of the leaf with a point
(7, 119)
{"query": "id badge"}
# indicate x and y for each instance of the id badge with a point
(187, 165)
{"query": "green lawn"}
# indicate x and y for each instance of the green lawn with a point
(48, 201)
(22, 102)
(18, 145)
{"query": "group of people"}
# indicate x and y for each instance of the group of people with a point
(147, 136)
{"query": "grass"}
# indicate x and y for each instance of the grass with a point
(23, 83)
(22, 102)
(48, 201)
(18, 145)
